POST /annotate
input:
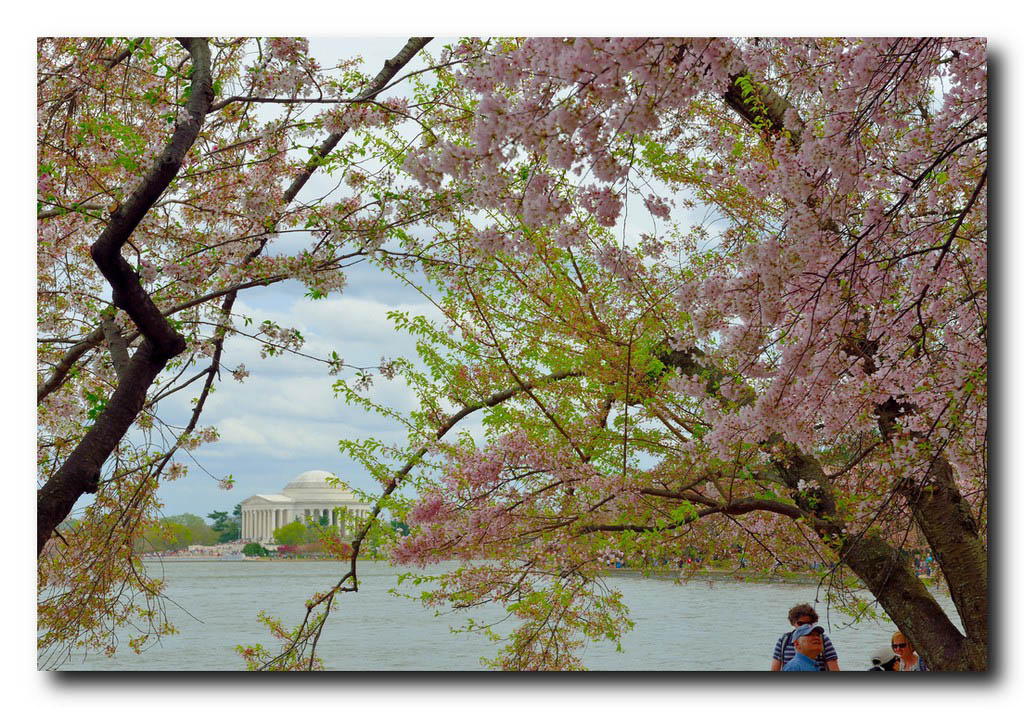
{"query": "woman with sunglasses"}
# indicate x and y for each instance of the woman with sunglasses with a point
(909, 660)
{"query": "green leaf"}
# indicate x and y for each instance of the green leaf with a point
(684, 512)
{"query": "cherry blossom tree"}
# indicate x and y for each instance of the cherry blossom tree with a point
(167, 172)
(802, 375)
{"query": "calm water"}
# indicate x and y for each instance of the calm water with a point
(724, 625)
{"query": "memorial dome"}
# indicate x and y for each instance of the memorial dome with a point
(313, 486)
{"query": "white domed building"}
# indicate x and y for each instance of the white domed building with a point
(308, 496)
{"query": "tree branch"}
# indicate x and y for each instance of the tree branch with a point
(307, 635)
(80, 472)
(391, 67)
(953, 536)
(116, 342)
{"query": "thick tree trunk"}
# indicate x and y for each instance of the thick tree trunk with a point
(81, 470)
(947, 524)
(941, 514)
(80, 473)
(953, 536)
(910, 605)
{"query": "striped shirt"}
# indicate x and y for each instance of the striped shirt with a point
(785, 654)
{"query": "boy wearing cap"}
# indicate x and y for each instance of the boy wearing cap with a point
(808, 642)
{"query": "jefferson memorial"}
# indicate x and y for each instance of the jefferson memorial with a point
(308, 496)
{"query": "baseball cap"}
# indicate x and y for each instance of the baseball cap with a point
(882, 655)
(805, 629)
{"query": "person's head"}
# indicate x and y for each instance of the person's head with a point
(883, 658)
(802, 614)
(901, 645)
(808, 640)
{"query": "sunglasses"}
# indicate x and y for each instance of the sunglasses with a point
(898, 646)
(801, 624)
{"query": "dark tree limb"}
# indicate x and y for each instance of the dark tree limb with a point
(734, 507)
(117, 344)
(391, 67)
(63, 367)
(92, 340)
(891, 579)
(129, 295)
(379, 82)
(769, 105)
(80, 472)
(953, 536)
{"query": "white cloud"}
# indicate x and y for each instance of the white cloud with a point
(235, 431)
(285, 418)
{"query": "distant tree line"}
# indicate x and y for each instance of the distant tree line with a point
(178, 532)
(228, 528)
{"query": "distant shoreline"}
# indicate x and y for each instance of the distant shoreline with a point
(663, 573)
(253, 559)
(738, 575)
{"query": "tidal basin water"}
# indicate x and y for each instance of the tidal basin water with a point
(696, 626)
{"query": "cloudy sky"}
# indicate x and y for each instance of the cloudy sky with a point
(264, 443)
(284, 419)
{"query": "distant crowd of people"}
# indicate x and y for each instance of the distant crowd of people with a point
(808, 648)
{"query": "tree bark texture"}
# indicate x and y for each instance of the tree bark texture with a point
(945, 519)
(80, 472)
(937, 507)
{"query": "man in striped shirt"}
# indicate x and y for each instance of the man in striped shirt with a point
(803, 614)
